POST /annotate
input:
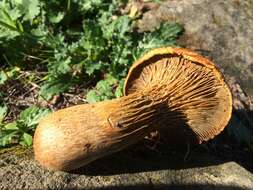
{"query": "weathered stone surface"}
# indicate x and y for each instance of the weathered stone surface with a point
(221, 30)
(126, 171)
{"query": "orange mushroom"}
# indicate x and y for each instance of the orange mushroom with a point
(171, 89)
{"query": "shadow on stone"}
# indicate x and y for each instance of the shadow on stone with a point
(139, 158)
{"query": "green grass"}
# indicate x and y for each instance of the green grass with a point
(57, 46)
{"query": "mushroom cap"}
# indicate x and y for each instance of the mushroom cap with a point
(199, 97)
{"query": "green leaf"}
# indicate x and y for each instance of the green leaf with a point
(61, 66)
(7, 136)
(3, 77)
(10, 73)
(11, 126)
(90, 5)
(111, 80)
(10, 27)
(92, 96)
(91, 67)
(6, 19)
(3, 112)
(123, 25)
(172, 30)
(117, 28)
(9, 17)
(104, 90)
(31, 116)
(56, 86)
(119, 90)
(20, 27)
(166, 35)
(56, 18)
(30, 8)
(26, 139)
(103, 86)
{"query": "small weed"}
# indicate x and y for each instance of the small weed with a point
(21, 130)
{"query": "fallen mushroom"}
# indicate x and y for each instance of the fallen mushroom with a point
(170, 89)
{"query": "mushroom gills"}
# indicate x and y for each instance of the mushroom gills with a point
(191, 89)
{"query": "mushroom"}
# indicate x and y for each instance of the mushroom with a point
(168, 89)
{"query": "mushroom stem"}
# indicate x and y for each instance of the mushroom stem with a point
(70, 138)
